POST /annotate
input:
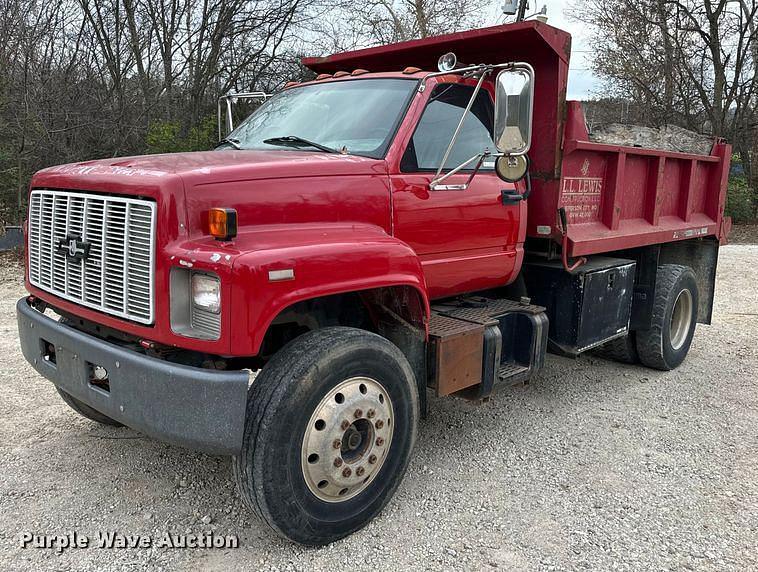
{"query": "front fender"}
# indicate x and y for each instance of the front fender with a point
(325, 259)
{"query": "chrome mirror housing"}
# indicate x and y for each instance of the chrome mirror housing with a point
(514, 100)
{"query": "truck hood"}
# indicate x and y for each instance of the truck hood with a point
(283, 187)
(266, 187)
(206, 167)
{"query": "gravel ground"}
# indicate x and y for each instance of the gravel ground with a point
(593, 466)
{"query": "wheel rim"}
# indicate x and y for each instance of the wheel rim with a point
(681, 319)
(347, 439)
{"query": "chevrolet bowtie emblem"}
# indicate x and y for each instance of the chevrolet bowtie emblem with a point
(73, 247)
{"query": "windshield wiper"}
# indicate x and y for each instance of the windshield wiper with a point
(229, 141)
(295, 141)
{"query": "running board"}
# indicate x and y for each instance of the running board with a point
(475, 342)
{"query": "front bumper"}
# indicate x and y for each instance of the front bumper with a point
(197, 408)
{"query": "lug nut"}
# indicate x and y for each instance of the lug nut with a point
(359, 471)
(370, 413)
(347, 472)
(379, 423)
(336, 443)
(345, 425)
(372, 459)
(358, 413)
(379, 441)
(337, 462)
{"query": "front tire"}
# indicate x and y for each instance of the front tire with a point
(666, 343)
(331, 423)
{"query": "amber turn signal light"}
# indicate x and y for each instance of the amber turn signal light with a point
(222, 223)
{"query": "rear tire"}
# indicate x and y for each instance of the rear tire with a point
(665, 345)
(331, 423)
(86, 411)
(622, 349)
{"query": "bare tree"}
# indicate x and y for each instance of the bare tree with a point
(391, 21)
(693, 63)
(93, 78)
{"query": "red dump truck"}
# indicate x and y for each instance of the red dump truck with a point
(410, 222)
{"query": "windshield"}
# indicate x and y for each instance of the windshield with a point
(359, 115)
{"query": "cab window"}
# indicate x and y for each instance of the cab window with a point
(437, 125)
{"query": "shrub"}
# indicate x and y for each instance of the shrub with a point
(168, 136)
(739, 200)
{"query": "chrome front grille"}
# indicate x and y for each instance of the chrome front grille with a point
(95, 250)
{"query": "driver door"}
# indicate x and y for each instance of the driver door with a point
(466, 240)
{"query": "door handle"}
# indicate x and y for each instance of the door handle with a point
(511, 197)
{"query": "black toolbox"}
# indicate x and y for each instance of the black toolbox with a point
(587, 307)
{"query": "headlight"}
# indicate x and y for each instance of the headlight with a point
(206, 292)
(195, 304)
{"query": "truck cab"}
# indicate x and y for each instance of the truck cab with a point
(400, 225)
(404, 121)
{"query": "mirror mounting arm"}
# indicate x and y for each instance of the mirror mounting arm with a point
(435, 185)
(469, 71)
(226, 102)
(460, 125)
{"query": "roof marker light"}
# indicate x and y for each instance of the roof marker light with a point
(447, 62)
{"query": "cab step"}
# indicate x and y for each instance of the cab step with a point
(476, 342)
(514, 373)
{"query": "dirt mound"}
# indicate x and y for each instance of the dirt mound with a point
(667, 138)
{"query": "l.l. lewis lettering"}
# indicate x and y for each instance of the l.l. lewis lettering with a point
(582, 185)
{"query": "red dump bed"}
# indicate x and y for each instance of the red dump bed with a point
(615, 197)
(620, 197)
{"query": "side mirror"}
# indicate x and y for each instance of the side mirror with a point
(511, 168)
(514, 96)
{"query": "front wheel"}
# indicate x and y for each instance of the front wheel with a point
(331, 423)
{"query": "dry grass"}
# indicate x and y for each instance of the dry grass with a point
(744, 234)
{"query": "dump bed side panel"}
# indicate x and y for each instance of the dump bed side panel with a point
(619, 197)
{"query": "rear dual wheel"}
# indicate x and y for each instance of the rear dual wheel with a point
(623, 349)
(331, 424)
(665, 344)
